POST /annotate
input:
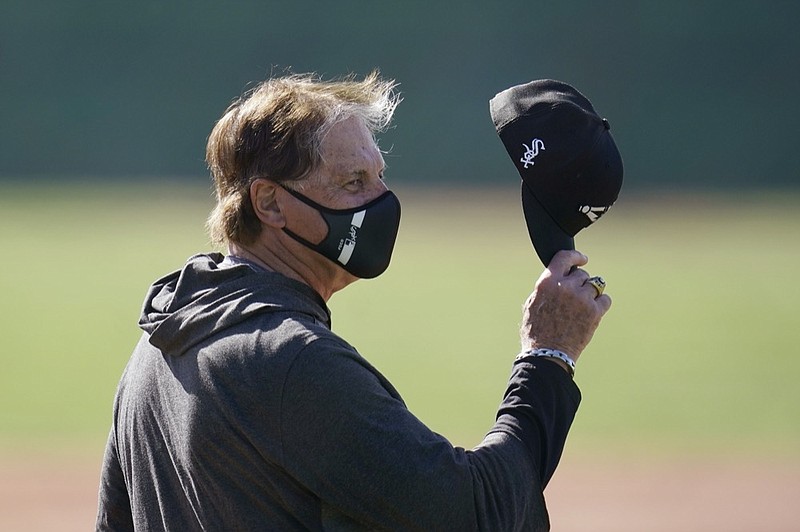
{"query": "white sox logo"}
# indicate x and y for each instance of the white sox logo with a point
(347, 245)
(593, 213)
(530, 153)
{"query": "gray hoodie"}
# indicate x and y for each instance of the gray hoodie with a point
(240, 409)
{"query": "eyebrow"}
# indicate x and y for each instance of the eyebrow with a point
(357, 173)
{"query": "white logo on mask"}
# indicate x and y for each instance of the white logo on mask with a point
(350, 243)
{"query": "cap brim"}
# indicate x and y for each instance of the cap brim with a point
(546, 236)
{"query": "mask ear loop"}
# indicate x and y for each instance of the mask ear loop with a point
(322, 208)
(302, 240)
(305, 199)
(314, 205)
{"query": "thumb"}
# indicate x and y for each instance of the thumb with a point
(565, 260)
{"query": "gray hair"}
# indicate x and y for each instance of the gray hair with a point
(275, 131)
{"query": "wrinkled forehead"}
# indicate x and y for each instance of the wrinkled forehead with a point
(350, 147)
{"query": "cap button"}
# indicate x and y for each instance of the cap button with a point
(606, 124)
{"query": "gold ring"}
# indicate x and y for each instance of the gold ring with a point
(598, 283)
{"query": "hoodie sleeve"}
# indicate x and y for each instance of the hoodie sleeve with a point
(353, 442)
(114, 506)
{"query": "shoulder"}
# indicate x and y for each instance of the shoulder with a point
(328, 382)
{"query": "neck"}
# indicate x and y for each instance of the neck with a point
(315, 271)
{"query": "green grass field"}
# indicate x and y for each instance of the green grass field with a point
(700, 350)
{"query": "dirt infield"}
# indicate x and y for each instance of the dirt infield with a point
(694, 495)
(45, 493)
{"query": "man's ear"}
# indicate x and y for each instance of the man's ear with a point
(263, 199)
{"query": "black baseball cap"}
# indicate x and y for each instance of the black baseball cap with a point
(570, 167)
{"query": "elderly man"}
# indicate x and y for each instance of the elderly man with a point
(240, 409)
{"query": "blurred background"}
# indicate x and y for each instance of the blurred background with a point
(699, 93)
(689, 387)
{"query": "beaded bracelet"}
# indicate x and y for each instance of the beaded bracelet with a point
(544, 352)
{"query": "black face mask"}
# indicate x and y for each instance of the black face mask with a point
(360, 239)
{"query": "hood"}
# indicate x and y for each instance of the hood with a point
(189, 305)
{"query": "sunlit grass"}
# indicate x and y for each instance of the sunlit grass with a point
(700, 347)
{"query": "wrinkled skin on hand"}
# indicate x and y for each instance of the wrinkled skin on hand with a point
(563, 311)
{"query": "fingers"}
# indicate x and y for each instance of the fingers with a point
(579, 276)
(565, 307)
(566, 266)
(596, 286)
(565, 261)
(596, 282)
(597, 292)
(604, 302)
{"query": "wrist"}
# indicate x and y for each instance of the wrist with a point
(553, 355)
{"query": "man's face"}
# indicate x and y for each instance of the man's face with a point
(350, 175)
